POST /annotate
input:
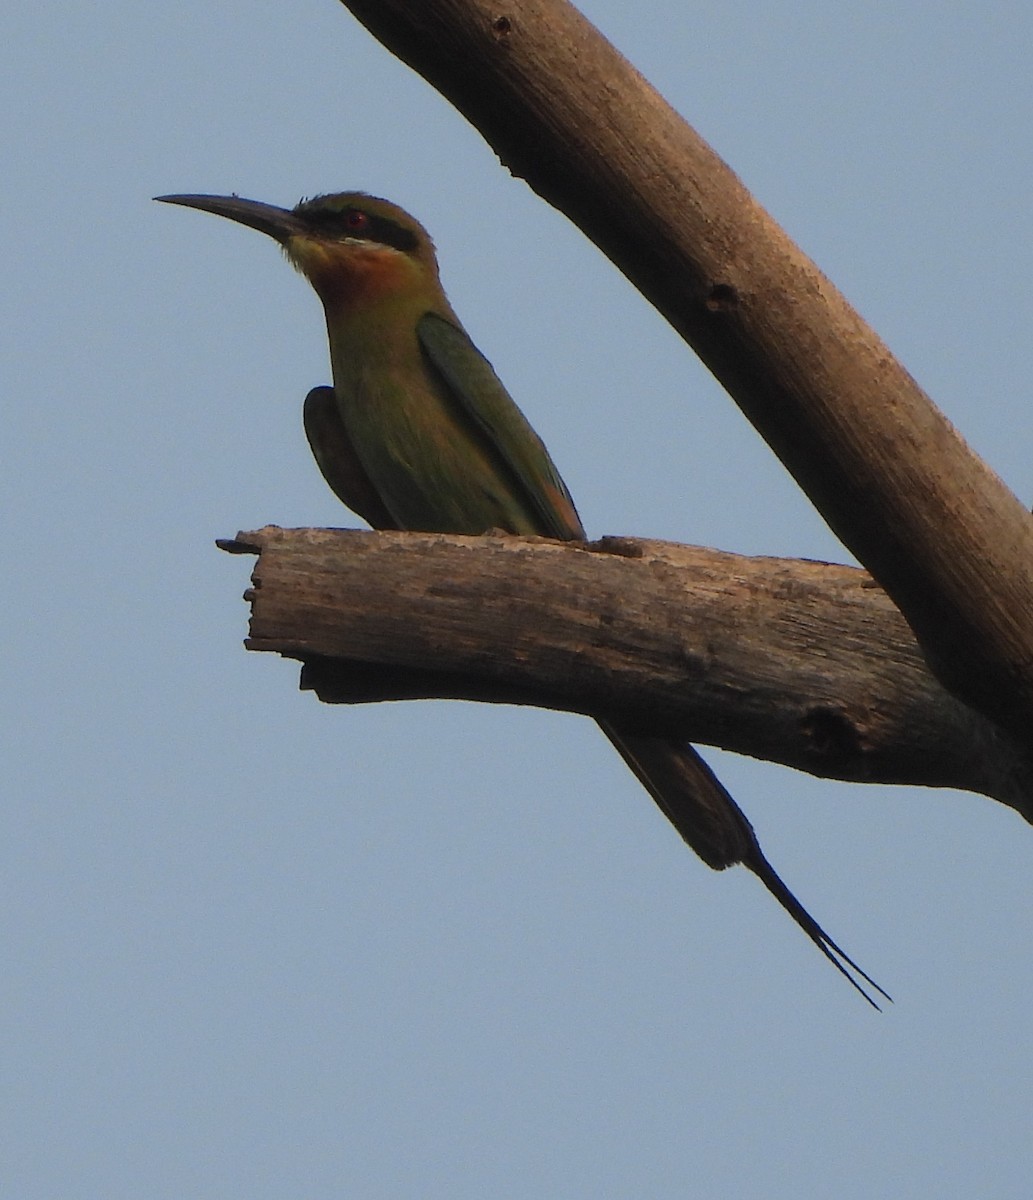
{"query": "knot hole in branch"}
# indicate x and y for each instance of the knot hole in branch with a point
(722, 297)
(832, 733)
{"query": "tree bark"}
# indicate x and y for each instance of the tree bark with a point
(804, 663)
(940, 532)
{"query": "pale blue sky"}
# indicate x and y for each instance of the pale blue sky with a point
(257, 947)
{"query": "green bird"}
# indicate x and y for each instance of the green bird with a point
(419, 433)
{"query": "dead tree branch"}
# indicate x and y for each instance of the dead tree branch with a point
(803, 663)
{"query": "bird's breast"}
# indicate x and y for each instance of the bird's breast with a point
(433, 469)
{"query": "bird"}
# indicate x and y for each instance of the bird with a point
(419, 433)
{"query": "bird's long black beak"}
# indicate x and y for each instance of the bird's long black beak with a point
(279, 223)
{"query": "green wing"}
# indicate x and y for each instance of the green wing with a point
(471, 381)
(336, 458)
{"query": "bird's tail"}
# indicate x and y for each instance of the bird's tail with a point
(698, 805)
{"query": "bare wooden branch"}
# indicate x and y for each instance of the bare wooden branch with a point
(803, 663)
(941, 533)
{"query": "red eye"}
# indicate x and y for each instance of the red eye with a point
(354, 218)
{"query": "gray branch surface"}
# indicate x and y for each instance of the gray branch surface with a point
(942, 534)
(803, 663)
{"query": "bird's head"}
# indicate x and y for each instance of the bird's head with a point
(351, 247)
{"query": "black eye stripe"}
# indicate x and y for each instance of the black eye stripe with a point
(376, 229)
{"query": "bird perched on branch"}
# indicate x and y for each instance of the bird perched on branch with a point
(419, 433)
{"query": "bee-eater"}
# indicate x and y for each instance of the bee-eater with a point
(419, 433)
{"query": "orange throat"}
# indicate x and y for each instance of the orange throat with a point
(348, 275)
